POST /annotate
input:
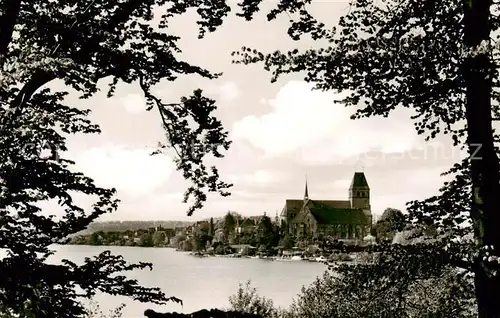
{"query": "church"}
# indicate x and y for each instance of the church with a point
(347, 220)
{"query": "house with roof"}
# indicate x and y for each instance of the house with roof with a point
(248, 225)
(347, 220)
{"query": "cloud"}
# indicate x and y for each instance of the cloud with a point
(134, 103)
(341, 184)
(259, 178)
(132, 171)
(229, 91)
(309, 123)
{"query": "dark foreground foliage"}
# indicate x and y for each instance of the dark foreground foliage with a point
(204, 313)
(396, 282)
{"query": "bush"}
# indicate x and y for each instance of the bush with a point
(246, 300)
(396, 283)
(393, 285)
(340, 257)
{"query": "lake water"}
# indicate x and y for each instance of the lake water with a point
(200, 282)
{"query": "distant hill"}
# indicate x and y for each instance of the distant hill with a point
(120, 226)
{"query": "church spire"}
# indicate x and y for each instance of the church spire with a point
(306, 193)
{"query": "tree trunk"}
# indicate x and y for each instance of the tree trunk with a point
(485, 208)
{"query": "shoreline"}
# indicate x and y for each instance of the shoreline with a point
(107, 245)
(348, 258)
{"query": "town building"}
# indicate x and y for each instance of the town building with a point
(247, 226)
(348, 220)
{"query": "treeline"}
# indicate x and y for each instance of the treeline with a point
(121, 226)
(143, 238)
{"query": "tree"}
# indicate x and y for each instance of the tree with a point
(283, 228)
(77, 43)
(59, 56)
(391, 222)
(265, 232)
(159, 238)
(187, 245)
(94, 310)
(146, 240)
(228, 225)
(211, 229)
(246, 300)
(394, 54)
(178, 240)
(200, 239)
(286, 242)
(396, 284)
(94, 239)
(387, 288)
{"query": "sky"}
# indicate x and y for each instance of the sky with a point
(281, 132)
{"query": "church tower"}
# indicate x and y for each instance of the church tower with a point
(359, 195)
(359, 192)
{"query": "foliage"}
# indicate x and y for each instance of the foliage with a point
(128, 56)
(146, 240)
(187, 245)
(283, 228)
(159, 238)
(178, 240)
(248, 238)
(400, 282)
(391, 221)
(211, 230)
(200, 240)
(286, 242)
(228, 225)
(93, 310)
(222, 249)
(129, 226)
(330, 243)
(204, 313)
(77, 43)
(341, 257)
(29, 286)
(246, 300)
(267, 234)
(94, 239)
(382, 296)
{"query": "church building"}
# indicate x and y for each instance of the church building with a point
(348, 220)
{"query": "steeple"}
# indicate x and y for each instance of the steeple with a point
(359, 191)
(306, 193)
(359, 181)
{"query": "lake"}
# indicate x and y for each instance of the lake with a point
(200, 282)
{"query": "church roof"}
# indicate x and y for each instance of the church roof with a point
(324, 214)
(292, 206)
(341, 204)
(359, 180)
